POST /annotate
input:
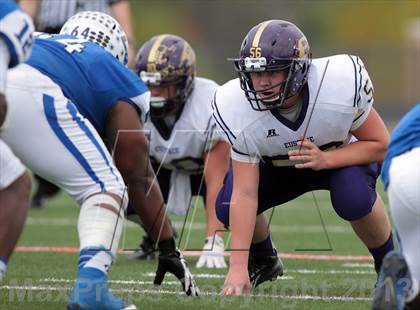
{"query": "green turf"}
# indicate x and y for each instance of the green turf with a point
(297, 228)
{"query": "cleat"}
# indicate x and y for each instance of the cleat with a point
(91, 292)
(265, 268)
(393, 284)
(146, 251)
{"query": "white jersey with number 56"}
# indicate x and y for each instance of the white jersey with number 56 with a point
(343, 104)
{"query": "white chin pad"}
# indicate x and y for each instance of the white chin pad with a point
(99, 226)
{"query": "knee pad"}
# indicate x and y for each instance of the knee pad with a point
(353, 192)
(355, 208)
(100, 223)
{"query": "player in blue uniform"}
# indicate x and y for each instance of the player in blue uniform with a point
(399, 279)
(109, 93)
(46, 131)
(16, 38)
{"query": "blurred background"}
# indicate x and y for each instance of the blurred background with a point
(385, 34)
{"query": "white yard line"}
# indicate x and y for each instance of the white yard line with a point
(151, 275)
(306, 271)
(358, 265)
(124, 282)
(167, 292)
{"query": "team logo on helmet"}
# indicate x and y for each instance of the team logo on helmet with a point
(302, 49)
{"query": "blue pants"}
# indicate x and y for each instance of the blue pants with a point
(352, 189)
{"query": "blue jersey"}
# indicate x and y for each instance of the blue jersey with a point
(405, 136)
(89, 76)
(16, 29)
(6, 7)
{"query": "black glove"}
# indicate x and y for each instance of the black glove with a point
(171, 260)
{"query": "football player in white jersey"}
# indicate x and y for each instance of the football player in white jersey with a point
(16, 38)
(296, 125)
(188, 158)
(399, 280)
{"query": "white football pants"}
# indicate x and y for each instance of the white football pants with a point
(404, 199)
(10, 166)
(48, 134)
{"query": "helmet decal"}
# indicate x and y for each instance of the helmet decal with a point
(257, 37)
(302, 48)
(155, 56)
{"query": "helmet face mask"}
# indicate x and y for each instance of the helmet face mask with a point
(273, 45)
(169, 101)
(101, 29)
(166, 61)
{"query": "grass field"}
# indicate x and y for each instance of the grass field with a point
(317, 273)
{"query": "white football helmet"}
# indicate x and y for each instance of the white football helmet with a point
(99, 28)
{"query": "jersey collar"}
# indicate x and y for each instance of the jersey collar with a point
(296, 124)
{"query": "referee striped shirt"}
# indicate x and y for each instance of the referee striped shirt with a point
(53, 14)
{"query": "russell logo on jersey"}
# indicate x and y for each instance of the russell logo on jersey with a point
(272, 133)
